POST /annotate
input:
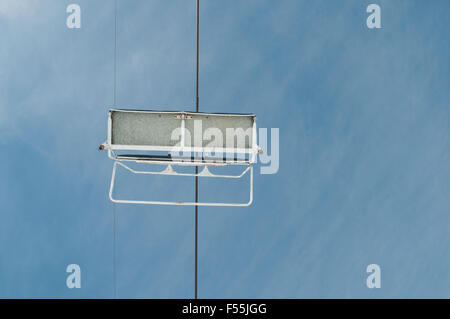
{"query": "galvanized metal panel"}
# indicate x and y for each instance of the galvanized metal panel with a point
(143, 128)
(156, 129)
(214, 130)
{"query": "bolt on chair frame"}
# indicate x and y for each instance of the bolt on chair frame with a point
(135, 130)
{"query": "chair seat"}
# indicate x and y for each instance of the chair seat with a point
(168, 159)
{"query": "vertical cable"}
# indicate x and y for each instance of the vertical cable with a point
(198, 46)
(115, 100)
(196, 167)
(114, 251)
(115, 51)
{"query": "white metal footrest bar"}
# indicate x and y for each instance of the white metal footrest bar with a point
(169, 171)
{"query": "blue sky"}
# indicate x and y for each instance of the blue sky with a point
(364, 148)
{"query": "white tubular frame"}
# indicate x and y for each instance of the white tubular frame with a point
(169, 162)
(170, 171)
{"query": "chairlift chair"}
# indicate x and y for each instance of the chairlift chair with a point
(176, 132)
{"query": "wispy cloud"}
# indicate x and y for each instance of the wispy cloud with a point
(363, 119)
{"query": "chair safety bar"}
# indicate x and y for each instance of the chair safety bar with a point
(170, 171)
